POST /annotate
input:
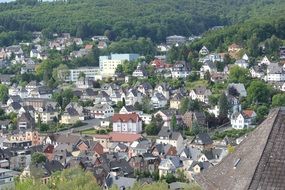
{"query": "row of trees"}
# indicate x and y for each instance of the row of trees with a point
(76, 178)
(154, 19)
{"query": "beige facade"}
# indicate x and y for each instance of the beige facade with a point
(109, 67)
(67, 119)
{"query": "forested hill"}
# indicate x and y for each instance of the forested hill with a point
(132, 18)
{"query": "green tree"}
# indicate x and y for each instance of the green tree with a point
(151, 129)
(258, 92)
(239, 75)
(81, 76)
(38, 158)
(170, 178)
(223, 106)
(252, 46)
(261, 112)
(184, 106)
(146, 105)
(278, 100)
(173, 123)
(194, 105)
(3, 93)
(73, 177)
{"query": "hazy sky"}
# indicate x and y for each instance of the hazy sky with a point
(2, 1)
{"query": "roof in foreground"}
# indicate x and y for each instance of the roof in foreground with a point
(257, 163)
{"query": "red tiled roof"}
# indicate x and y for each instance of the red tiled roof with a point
(88, 46)
(124, 137)
(126, 117)
(248, 113)
(102, 136)
(49, 149)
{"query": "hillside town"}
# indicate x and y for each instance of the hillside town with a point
(131, 118)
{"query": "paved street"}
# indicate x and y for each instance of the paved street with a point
(90, 124)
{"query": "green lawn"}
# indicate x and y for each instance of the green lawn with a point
(192, 85)
(89, 132)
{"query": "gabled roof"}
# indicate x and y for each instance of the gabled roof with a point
(16, 105)
(166, 132)
(202, 90)
(205, 138)
(122, 137)
(68, 139)
(257, 162)
(133, 117)
(129, 108)
(248, 113)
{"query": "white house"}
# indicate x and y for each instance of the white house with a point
(214, 57)
(275, 73)
(46, 114)
(167, 136)
(265, 61)
(127, 123)
(208, 66)
(166, 116)
(257, 72)
(242, 63)
(201, 94)
(133, 96)
(169, 165)
(204, 51)
(163, 88)
(158, 100)
(101, 111)
(245, 57)
(180, 70)
(240, 120)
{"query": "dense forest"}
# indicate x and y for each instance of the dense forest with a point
(130, 18)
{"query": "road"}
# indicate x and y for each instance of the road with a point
(89, 125)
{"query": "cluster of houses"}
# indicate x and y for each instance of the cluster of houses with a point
(119, 157)
(112, 158)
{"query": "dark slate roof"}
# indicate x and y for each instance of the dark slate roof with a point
(53, 166)
(16, 98)
(169, 112)
(91, 92)
(166, 132)
(205, 138)
(123, 165)
(130, 108)
(71, 111)
(16, 105)
(258, 162)
(44, 90)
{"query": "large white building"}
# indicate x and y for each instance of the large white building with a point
(275, 73)
(108, 64)
(127, 123)
(90, 72)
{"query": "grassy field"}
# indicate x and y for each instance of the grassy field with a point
(192, 85)
(89, 132)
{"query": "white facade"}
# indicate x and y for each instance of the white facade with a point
(127, 127)
(127, 123)
(108, 67)
(90, 72)
(101, 111)
(108, 64)
(242, 63)
(178, 143)
(158, 100)
(238, 123)
(265, 61)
